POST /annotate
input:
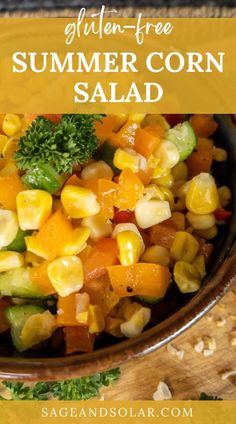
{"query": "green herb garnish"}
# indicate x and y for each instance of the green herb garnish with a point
(77, 389)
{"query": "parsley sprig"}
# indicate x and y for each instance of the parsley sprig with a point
(76, 389)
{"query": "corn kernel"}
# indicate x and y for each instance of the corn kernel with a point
(151, 212)
(9, 149)
(66, 275)
(136, 117)
(33, 247)
(76, 243)
(184, 247)
(37, 328)
(3, 141)
(209, 233)
(180, 171)
(168, 154)
(97, 170)
(8, 169)
(186, 277)
(156, 119)
(224, 195)
(129, 247)
(82, 308)
(96, 319)
(113, 326)
(122, 159)
(156, 255)
(32, 260)
(130, 308)
(33, 208)
(166, 181)
(179, 220)
(201, 222)
(98, 226)
(11, 124)
(128, 226)
(202, 197)
(10, 260)
(219, 155)
(159, 172)
(182, 191)
(168, 195)
(152, 162)
(79, 202)
(199, 265)
(135, 325)
(152, 191)
(8, 227)
(179, 205)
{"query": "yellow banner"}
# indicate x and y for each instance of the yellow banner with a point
(89, 65)
(118, 412)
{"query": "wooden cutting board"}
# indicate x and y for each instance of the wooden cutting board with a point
(195, 373)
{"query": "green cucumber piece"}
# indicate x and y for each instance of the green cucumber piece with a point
(106, 153)
(184, 137)
(43, 177)
(148, 300)
(17, 283)
(17, 317)
(18, 244)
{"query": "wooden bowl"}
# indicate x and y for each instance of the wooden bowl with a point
(173, 315)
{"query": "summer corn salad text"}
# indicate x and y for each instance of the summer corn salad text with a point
(99, 216)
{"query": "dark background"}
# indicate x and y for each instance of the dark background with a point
(21, 5)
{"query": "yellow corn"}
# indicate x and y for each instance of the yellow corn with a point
(66, 275)
(151, 212)
(202, 197)
(8, 169)
(123, 159)
(9, 148)
(209, 233)
(184, 247)
(79, 202)
(168, 154)
(182, 190)
(11, 124)
(186, 277)
(159, 172)
(82, 308)
(224, 196)
(121, 118)
(37, 328)
(180, 171)
(98, 226)
(129, 247)
(166, 181)
(219, 155)
(179, 205)
(152, 191)
(152, 163)
(33, 208)
(155, 119)
(109, 300)
(168, 195)
(136, 117)
(135, 325)
(201, 222)
(10, 260)
(8, 227)
(32, 260)
(97, 170)
(3, 141)
(199, 265)
(77, 242)
(113, 326)
(179, 219)
(156, 255)
(128, 226)
(33, 247)
(96, 319)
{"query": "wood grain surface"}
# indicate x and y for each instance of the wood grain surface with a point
(195, 373)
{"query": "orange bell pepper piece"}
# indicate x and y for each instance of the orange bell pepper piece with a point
(155, 129)
(125, 137)
(203, 125)
(78, 339)
(103, 254)
(162, 234)
(54, 233)
(4, 324)
(145, 142)
(143, 279)
(39, 276)
(201, 160)
(105, 127)
(129, 190)
(145, 175)
(74, 180)
(66, 311)
(10, 186)
(105, 191)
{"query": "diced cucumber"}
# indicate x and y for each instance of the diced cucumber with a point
(184, 137)
(17, 283)
(43, 177)
(148, 300)
(17, 317)
(18, 244)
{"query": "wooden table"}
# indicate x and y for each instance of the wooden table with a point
(194, 374)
